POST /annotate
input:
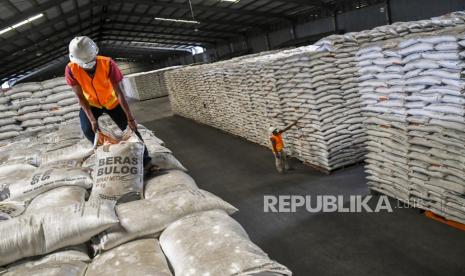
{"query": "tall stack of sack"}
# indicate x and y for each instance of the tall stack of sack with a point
(67, 209)
(329, 132)
(147, 85)
(384, 98)
(416, 153)
(59, 100)
(319, 87)
(28, 108)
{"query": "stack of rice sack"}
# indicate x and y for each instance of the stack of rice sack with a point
(319, 90)
(428, 142)
(247, 96)
(147, 85)
(67, 209)
(238, 97)
(384, 98)
(29, 108)
(319, 86)
(59, 100)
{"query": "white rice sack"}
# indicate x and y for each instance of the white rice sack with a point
(71, 115)
(45, 180)
(166, 161)
(8, 134)
(4, 99)
(212, 243)
(57, 198)
(16, 171)
(62, 164)
(52, 120)
(42, 94)
(48, 84)
(167, 182)
(50, 265)
(21, 95)
(8, 114)
(49, 106)
(119, 172)
(49, 268)
(7, 121)
(11, 209)
(149, 217)
(25, 102)
(67, 102)
(416, 48)
(32, 116)
(25, 155)
(140, 257)
(32, 123)
(62, 88)
(29, 109)
(27, 86)
(48, 231)
(78, 151)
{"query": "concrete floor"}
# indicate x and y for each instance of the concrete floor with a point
(400, 243)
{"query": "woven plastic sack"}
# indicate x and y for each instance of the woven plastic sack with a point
(140, 257)
(212, 243)
(39, 234)
(57, 198)
(78, 151)
(67, 262)
(11, 209)
(44, 180)
(149, 217)
(166, 161)
(166, 182)
(119, 172)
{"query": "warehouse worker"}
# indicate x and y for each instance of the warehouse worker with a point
(97, 82)
(282, 165)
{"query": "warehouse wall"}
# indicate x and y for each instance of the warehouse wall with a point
(134, 67)
(363, 19)
(408, 10)
(354, 20)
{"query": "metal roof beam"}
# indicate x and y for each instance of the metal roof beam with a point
(196, 7)
(51, 23)
(55, 38)
(30, 12)
(154, 40)
(158, 25)
(233, 23)
(183, 36)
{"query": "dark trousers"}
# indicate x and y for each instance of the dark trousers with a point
(117, 115)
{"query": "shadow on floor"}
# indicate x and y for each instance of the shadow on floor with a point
(399, 243)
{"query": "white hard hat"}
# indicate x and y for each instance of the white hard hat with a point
(83, 51)
(271, 130)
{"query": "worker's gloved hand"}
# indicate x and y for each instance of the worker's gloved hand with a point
(132, 124)
(94, 125)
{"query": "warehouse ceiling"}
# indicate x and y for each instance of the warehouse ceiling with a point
(35, 34)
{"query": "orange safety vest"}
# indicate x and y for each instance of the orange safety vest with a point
(278, 141)
(99, 90)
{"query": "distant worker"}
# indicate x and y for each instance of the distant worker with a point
(282, 164)
(97, 83)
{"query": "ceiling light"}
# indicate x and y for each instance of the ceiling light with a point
(233, 1)
(157, 46)
(177, 20)
(29, 20)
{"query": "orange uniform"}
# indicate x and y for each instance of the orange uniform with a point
(99, 90)
(278, 141)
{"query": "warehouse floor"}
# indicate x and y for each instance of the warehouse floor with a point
(400, 243)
